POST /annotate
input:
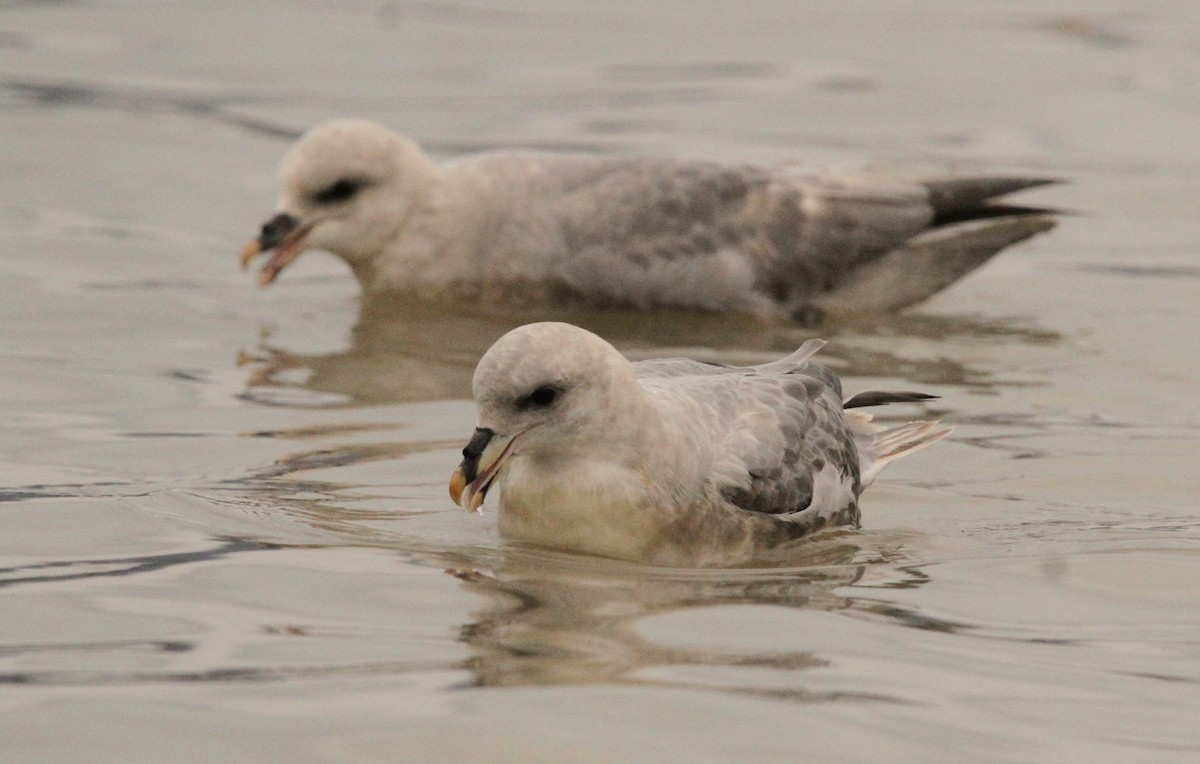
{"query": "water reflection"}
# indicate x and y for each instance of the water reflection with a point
(551, 618)
(402, 351)
(137, 100)
(108, 567)
(545, 618)
(556, 619)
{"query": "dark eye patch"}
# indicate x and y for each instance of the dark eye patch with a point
(539, 398)
(339, 191)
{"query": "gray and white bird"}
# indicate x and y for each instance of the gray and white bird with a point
(534, 228)
(668, 461)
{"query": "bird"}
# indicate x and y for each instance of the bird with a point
(669, 461)
(532, 229)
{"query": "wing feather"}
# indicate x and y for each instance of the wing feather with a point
(816, 446)
(648, 231)
(774, 437)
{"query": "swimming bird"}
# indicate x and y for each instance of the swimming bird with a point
(668, 461)
(532, 228)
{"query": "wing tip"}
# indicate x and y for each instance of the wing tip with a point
(949, 196)
(793, 360)
(883, 397)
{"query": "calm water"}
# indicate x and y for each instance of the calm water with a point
(224, 529)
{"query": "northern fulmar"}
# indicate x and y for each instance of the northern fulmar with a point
(536, 228)
(669, 461)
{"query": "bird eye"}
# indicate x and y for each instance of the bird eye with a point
(338, 191)
(539, 398)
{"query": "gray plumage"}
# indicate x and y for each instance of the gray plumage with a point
(538, 227)
(797, 426)
(668, 460)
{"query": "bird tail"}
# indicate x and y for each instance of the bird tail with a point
(969, 226)
(877, 446)
(930, 262)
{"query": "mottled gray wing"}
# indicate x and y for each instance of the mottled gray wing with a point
(772, 434)
(789, 234)
(813, 435)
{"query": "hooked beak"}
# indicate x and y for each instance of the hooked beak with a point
(483, 459)
(282, 233)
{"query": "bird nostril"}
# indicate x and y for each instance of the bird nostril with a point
(275, 230)
(478, 442)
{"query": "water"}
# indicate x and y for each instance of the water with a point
(225, 525)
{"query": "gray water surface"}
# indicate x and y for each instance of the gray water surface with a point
(224, 528)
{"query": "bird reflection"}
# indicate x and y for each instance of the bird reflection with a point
(404, 351)
(560, 619)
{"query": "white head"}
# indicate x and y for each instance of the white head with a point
(543, 391)
(348, 186)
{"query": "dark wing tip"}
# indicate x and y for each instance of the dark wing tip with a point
(949, 196)
(881, 397)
